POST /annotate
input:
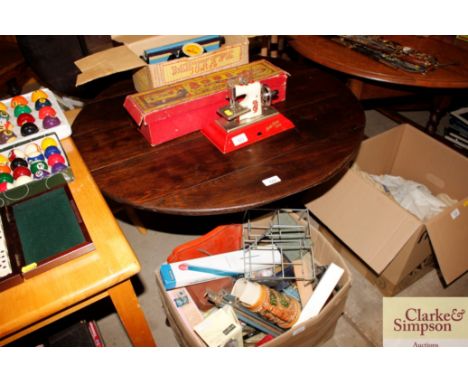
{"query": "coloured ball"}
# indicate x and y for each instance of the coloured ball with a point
(38, 166)
(31, 148)
(5, 169)
(38, 94)
(4, 177)
(36, 157)
(21, 109)
(51, 150)
(41, 174)
(23, 179)
(16, 153)
(18, 162)
(50, 121)
(46, 142)
(55, 158)
(4, 115)
(23, 118)
(57, 167)
(41, 102)
(47, 111)
(18, 100)
(21, 171)
(29, 128)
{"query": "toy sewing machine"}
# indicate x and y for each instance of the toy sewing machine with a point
(248, 118)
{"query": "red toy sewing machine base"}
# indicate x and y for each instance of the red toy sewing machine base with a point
(227, 141)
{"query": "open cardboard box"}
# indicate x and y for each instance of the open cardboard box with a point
(389, 239)
(234, 52)
(312, 332)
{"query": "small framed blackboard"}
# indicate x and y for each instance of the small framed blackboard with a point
(44, 231)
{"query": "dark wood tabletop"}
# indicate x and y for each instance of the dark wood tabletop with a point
(452, 74)
(189, 176)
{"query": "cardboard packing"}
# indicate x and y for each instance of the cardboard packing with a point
(171, 111)
(388, 239)
(234, 52)
(312, 332)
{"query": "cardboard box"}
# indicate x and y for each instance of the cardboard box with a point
(391, 241)
(312, 332)
(234, 52)
(171, 111)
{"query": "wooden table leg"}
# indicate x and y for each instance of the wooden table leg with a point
(130, 313)
(440, 106)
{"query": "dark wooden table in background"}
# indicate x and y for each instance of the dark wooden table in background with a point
(189, 176)
(371, 79)
(452, 74)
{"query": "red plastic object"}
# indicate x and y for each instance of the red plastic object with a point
(229, 141)
(225, 238)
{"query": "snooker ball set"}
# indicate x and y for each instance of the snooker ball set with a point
(33, 160)
(29, 115)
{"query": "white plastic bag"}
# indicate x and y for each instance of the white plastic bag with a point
(412, 196)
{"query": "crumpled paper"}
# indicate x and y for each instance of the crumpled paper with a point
(414, 197)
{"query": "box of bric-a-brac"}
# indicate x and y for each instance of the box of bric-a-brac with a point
(271, 280)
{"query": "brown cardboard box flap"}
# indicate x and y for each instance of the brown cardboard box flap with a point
(107, 62)
(374, 226)
(122, 58)
(448, 232)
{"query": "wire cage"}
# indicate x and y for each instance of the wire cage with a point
(286, 234)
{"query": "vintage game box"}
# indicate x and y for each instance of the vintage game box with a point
(234, 52)
(31, 115)
(172, 111)
(38, 233)
(32, 166)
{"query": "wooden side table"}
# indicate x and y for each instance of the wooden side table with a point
(67, 288)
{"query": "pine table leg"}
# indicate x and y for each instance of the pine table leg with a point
(133, 319)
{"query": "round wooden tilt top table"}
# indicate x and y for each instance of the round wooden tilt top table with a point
(452, 74)
(189, 176)
(371, 79)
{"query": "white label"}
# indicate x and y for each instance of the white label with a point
(455, 213)
(239, 139)
(298, 330)
(272, 180)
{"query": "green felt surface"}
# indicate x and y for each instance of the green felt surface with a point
(47, 225)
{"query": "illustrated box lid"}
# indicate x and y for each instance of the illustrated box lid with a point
(161, 103)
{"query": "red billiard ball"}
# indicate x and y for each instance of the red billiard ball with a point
(55, 158)
(23, 118)
(47, 111)
(21, 171)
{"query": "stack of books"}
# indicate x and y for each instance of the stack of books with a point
(457, 130)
